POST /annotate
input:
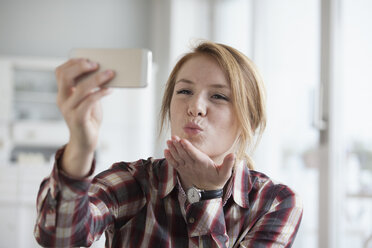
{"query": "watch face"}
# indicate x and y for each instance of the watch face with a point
(193, 195)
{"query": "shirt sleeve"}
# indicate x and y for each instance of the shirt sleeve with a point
(279, 225)
(75, 212)
(274, 227)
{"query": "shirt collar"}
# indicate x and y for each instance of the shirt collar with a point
(167, 179)
(242, 183)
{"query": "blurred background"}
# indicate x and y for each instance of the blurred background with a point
(315, 58)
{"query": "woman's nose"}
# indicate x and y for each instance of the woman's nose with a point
(197, 107)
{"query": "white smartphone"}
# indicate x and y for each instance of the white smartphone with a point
(132, 66)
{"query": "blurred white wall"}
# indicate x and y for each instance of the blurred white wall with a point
(52, 28)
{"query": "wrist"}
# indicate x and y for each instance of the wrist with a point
(195, 195)
(81, 145)
(76, 162)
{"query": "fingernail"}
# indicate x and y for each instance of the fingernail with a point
(92, 64)
(109, 90)
(109, 73)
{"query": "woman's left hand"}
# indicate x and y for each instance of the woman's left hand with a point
(195, 167)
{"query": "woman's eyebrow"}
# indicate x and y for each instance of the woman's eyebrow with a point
(217, 85)
(183, 80)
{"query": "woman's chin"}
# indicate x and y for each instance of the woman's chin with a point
(196, 141)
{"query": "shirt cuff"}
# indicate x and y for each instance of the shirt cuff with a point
(206, 217)
(70, 188)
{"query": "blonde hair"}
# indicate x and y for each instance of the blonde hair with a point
(248, 93)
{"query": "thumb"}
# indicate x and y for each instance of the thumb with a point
(226, 167)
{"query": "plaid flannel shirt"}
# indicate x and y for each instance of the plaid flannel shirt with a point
(138, 205)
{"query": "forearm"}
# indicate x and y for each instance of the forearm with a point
(64, 225)
(278, 225)
(66, 215)
(71, 219)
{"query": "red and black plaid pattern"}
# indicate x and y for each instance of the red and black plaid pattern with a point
(138, 205)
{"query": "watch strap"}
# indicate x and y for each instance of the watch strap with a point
(211, 194)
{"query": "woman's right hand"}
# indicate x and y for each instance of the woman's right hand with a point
(78, 99)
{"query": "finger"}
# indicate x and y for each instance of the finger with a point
(69, 71)
(78, 67)
(181, 151)
(171, 161)
(174, 153)
(70, 62)
(90, 101)
(226, 167)
(194, 153)
(95, 80)
(88, 86)
(67, 63)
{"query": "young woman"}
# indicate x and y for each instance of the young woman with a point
(204, 193)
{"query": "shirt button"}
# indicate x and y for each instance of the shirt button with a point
(191, 220)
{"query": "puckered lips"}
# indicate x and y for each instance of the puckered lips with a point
(191, 128)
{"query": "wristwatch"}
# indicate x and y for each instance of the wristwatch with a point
(196, 195)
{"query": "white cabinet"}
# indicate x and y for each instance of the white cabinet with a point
(31, 128)
(30, 123)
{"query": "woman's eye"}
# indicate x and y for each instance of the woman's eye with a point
(220, 97)
(185, 92)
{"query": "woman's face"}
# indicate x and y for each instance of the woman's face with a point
(201, 109)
